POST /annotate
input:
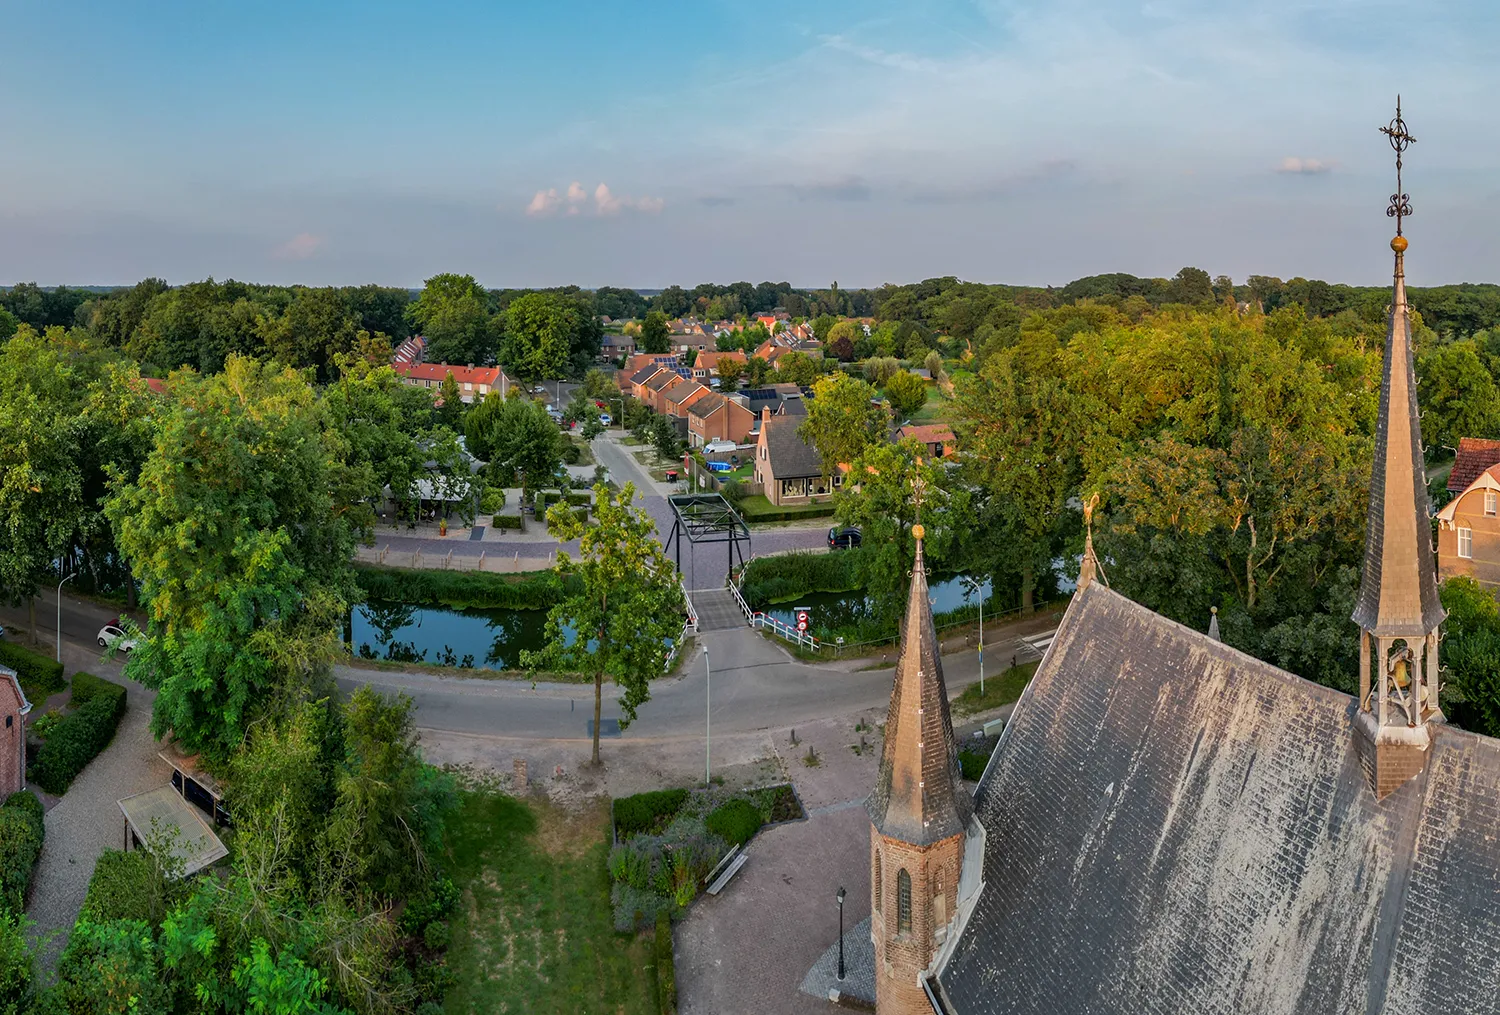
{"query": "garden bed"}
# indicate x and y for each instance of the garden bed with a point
(667, 842)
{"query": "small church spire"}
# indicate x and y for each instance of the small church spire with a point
(1213, 623)
(1089, 568)
(1398, 611)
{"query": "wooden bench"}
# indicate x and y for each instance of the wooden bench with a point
(726, 870)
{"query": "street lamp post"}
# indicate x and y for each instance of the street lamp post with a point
(979, 590)
(59, 612)
(841, 932)
(708, 673)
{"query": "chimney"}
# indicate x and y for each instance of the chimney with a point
(765, 413)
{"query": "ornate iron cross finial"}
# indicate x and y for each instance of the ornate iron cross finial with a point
(1400, 206)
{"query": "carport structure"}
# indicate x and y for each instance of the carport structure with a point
(707, 518)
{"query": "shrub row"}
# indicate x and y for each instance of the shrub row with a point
(40, 675)
(790, 576)
(127, 886)
(666, 967)
(734, 821)
(540, 590)
(507, 522)
(21, 832)
(647, 812)
(759, 509)
(82, 734)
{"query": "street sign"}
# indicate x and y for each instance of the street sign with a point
(802, 620)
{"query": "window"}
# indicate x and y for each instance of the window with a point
(1466, 542)
(1489, 502)
(903, 902)
(879, 885)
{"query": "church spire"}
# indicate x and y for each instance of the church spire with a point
(1398, 595)
(1089, 568)
(919, 795)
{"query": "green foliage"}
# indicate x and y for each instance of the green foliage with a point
(128, 886)
(507, 522)
(734, 821)
(81, 735)
(17, 966)
(462, 589)
(40, 675)
(1459, 397)
(841, 423)
(111, 969)
(1471, 656)
(788, 576)
(907, 393)
(655, 333)
(542, 331)
(453, 315)
(516, 436)
(647, 812)
(21, 834)
(972, 763)
(758, 508)
(666, 966)
(626, 610)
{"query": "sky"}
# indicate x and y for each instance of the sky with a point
(655, 143)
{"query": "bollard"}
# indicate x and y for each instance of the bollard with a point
(518, 781)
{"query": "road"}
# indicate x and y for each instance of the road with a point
(756, 685)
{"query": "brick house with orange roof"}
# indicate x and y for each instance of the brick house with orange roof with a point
(13, 710)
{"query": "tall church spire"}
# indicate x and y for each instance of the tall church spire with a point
(1398, 611)
(919, 795)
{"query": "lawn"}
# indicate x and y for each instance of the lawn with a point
(533, 931)
(935, 410)
(759, 509)
(585, 453)
(1001, 689)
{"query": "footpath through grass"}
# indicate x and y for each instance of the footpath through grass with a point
(534, 932)
(999, 689)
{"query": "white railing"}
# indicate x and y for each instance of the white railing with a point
(784, 630)
(734, 590)
(692, 613)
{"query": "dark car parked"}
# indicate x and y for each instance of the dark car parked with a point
(843, 539)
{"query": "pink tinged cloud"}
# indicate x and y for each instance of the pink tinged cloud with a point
(299, 247)
(1305, 167)
(573, 200)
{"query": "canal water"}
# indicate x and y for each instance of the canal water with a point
(835, 611)
(436, 634)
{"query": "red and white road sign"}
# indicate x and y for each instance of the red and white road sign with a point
(802, 620)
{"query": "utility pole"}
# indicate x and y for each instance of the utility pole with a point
(59, 612)
(979, 590)
(708, 718)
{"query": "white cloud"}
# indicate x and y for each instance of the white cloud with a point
(606, 202)
(298, 248)
(1306, 167)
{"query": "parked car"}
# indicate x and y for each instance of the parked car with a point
(2, 634)
(715, 383)
(111, 635)
(540, 389)
(718, 446)
(606, 418)
(843, 538)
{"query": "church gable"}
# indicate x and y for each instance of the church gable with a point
(1172, 825)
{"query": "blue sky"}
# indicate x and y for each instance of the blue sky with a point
(654, 143)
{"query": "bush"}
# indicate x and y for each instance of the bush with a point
(790, 576)
(492, 500)
(778, 803)
(87, 687)
(972, 763)
(21, 832)
(647, 812)
(572, 453)
(506, 522)
(435, 935)
(81, 735)
(40, 675)
(759, 509)
(735, 821)
(27, 802)
(126, 886)
(436, 903)
(666, 966)
(636, 908)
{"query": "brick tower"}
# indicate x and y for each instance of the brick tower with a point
(1398, 611)
(919, 813)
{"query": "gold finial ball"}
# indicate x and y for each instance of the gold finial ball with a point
(1399, 244)
(918, 532)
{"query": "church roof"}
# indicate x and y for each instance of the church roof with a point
(1174, 826)
(919, 796)
(1398, 596)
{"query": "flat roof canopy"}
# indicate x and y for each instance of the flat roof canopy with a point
(163, 815)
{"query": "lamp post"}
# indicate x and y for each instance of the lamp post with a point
(979, 590)
(59, 612)
(707, 718)
(840, 897)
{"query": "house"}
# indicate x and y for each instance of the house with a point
(643, 376)
(638, 361)
(657, 386)
(787, 468)
(411, 351)
(678, 399)
(707, 363)
(718, 417)
(1469, 531)
(13, 710)
(1168, 824)
(473, 382)
(614, 346)
(938, 437)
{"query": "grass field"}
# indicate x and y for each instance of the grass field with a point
(533, 931)
(936, 408)
(999, 689)
(759, 509)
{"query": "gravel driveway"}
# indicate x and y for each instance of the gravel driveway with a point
(86, 821)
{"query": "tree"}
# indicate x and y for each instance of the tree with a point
(907, 392)
(451, 409)
(453, 313)
(1458, 396)
(515, 435)
(625, 605)
(757, 372)
(729, 371)
(823, 326)
(1471, 655)
(540, 328)
(239, 531)
(656, 336)
(17, 968)
(1192, 286)
(841, 420)
(797, 368)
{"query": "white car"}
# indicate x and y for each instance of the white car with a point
(540, 389)
(606, 418)
(715, 447)
(111, 635)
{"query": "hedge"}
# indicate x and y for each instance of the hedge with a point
(647, 812)
(759, 509)
(734, 821)
(21, 834)
(507, 522)
(40, 675)
(539, 590)
(126, 886)
(82, 734)
(789, 576)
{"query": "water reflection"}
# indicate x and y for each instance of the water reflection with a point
(837, 611)
(435, 634)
